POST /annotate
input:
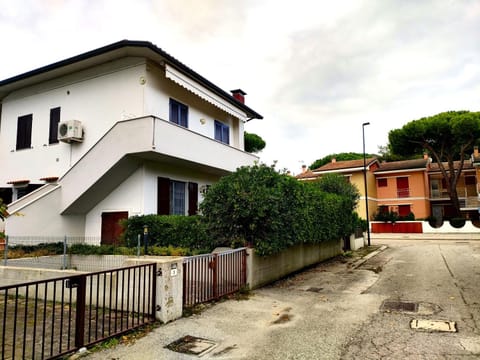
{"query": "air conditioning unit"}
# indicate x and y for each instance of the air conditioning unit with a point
(70, 130)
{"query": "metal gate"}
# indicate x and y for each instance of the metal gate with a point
(50, 318)
(211, 276)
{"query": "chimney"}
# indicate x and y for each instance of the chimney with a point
(239, 94)
(304, 169)
(334, 160)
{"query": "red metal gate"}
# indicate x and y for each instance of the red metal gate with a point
(211, 276)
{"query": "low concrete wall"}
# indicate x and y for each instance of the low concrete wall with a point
(356, 243)
(264, 270)
(169, 282)
(76, 262)
(447, 228)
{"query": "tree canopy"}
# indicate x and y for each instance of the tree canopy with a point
(253, 142)
(339, 157)
(446, 137)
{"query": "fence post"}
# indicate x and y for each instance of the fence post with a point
(138, 245)
(215, 275)
(80, 312)
(64, 252)
(5, 254)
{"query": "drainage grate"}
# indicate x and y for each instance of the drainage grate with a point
(433, 325)
(399, 306)
(191, 345)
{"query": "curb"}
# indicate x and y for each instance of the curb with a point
(369, 256)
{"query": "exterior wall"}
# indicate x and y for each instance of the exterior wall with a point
(138, 194)
(417, 199)
(201, 114)
(264, 270)
(357, 179)
(129, 196)
(97, 97)
(40, 219)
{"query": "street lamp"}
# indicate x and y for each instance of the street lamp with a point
(365, 180)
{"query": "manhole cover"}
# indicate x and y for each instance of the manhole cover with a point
(191, 345)
(433, 325)
(399, 306)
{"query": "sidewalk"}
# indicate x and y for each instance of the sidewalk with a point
(306, 316)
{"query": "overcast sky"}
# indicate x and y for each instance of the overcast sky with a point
(316, 70)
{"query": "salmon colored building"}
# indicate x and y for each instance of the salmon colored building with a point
(402, 187)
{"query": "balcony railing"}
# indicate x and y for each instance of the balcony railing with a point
(403, 192)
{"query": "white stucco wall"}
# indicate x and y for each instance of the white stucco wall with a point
(127, 197)
(97, 97)
(42, 218)
(201, 114)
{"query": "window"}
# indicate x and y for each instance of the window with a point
(177, 198)
(222, 132)
(24, 132)
(178, 113)
(382, 182)
(54, 120)
(173, 197)
(470, 180)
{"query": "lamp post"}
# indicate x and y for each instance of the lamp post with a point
(365, 181)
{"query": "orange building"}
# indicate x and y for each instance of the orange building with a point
(402, 187)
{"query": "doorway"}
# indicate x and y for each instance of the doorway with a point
(111, 227)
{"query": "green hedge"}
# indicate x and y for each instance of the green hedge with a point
(168, 230)
(259, 207)
(271, 211)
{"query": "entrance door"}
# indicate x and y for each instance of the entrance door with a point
(111, 228)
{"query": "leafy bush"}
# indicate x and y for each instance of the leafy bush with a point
(457, 222)
(168, 230)
(270, 211)
(392, 216)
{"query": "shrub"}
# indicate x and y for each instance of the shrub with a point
(457, 222)
(168, 230)
(271, 211)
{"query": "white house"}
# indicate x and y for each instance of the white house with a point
(122, 130)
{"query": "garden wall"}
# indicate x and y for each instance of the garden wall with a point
(264, 270)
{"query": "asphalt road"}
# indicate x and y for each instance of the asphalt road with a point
(334, 311)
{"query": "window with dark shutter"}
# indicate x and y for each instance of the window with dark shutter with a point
(24, 132)
(163, 196)
(192, 198)
(54, 120)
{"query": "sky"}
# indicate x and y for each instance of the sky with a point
(316, 70)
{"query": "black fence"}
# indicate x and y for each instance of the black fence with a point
(50, 318)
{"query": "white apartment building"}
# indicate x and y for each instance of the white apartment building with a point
(122, 130)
